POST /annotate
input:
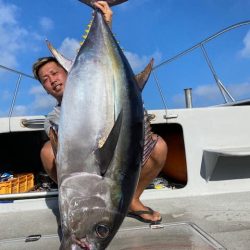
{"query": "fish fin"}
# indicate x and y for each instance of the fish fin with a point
(66, 63)
(53, 140)
(142, 77)
(86, 32)
(110, 2)
(104, 154)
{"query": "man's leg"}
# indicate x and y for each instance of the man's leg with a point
(48, 160)
(149, 171)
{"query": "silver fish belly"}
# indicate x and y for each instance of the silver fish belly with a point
(100, 141)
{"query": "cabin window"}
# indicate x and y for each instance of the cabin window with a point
(174, 173)
(20, 157)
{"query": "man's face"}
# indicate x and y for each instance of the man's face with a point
(53, 78)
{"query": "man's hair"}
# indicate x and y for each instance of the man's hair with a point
(40, 62)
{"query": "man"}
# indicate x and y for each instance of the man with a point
(53, 77)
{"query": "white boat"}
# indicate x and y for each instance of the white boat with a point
(205, 206)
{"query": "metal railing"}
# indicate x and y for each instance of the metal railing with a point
(201, 45)
(17, 85)
(225, 93)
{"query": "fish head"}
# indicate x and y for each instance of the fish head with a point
(98, 230)
(91, 218)
(94, 228)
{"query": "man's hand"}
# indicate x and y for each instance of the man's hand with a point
(105, 9)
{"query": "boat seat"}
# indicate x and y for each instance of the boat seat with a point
(210, 157)
(241, 151)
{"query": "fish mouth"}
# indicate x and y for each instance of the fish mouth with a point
(82, 243)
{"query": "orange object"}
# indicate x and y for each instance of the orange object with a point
(5, 187)
(14, 185)
(30, 181)
(21, 183)
(26, 182)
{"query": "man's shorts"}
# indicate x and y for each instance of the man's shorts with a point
(149, 142)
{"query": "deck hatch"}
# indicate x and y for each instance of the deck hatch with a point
(182, 235)
(179, 236)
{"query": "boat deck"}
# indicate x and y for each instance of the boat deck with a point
(224, 217)
(219, 221)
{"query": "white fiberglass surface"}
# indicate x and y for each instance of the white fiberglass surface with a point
(181, 236)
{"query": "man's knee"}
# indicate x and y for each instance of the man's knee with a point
(162, 145)
(47, 155)
(159, 153)
(48, 160)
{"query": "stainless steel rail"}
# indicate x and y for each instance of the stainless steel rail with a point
(226, 95)
(208, 39)
(200, 45)
(28, 195)
(16, 72)
(32, 122)
(18, 83)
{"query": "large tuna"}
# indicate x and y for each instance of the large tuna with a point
(100, 141)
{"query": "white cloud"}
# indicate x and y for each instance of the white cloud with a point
(15, 39)
(40, 102)
(178, 100)
(210, 94)
(46, 23)
(240, 91)
(6, 95)
(203, 95)
(7, 57)
(43, 102)
(8, 13)
(36, 90)
(19, 110)
(69, 47)
(138, 63)
(11, 34)
(245, 52)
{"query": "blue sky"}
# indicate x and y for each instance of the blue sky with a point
(145, 29)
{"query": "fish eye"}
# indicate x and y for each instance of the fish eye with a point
(102, 231)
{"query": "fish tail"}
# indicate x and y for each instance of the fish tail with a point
(110, 2)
